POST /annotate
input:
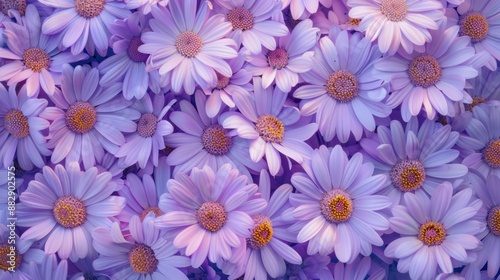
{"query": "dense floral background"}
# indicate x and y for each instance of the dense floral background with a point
(249, 139)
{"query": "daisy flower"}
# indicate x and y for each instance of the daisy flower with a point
(33, 57)
(227, 86)
(341, 88)
(204, 141)
(50, 268)
(88, 118)
(489, 194)
(209, 212)
(251, 23)
(83, 23)
(265, 251)
(291, 57)
(128, 65)
(433, 231)
(313, 266)
(271, 127)
(338, 16)
(145, 143)
(397, 23)
(335, 206)
(481, 144)
(143, 255)
(416, 159)
(187, 46)
(21, 129)
(485, 88)
(304, 7)
(434, 79)
(62, 206)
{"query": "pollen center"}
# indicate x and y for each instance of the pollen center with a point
(491, 154)
(89, 8)
(270, 128)
(146, 126)
(152, 209)
(394, 10)
(222, 81)
(277, 58)
(493, 220)
(342, 86)
(16, 123)
(133, 52)
(240, 18)
(188, 44)
(475, 101)
(142, 259)
(18, 5)
(424, 71)
(336, 206)
(215, 141)
(5, 259)
(211, 215)
(36, 59)
(474, 25)
(81, 117)
(261, 233)
(432, 233)
(408, 175)
(354, 21)
(69, 212)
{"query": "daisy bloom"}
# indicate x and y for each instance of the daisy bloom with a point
(485, 88)
(416, 158)
(187, 46)
(83, 23)
(208, 212)
(433, 231)
(397, 23)
(143, 255)
(433, 79)
(251, 22)
(342, 89)
(204, 141)
(481, 143)
(335, 206)
(147, 141)
(33, 57)
(88, 118)
(65, 205)
(128, 65)
(271, 127)
(21, 129)
(291, 57)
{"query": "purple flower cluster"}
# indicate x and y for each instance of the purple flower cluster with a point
(249, 139)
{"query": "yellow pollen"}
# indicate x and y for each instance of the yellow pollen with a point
(475, 101)
(394, 10)
(270, 128)
(474, 25)
(211, 215)
(491, 154)
(142, 259)
(5, 258)
(89, 8)
(424, 71)
(16, 123)
(18, 5)
(152, 209)
(408, 175)
(354, 21)
(336, 206)
(262, 232)
(432, 233)
(69, 212)
(36, 59)
(493, 220)
(342, 86)
(81, 117)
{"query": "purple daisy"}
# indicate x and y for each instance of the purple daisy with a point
(204, 141)
(227, 86)
(147, 141)
(65, 205)
(271, 126)
(128, 65)
(434, 78)
(433, 231)
(342, 89)
(291, 57)
(485, 88)
(313, 267)
(489, 194)
(50, 268)
(209, 213)
(481, 145)
(187, 46)
(143, 255)
(80, 20)
(251, 22)
(301, 8)
(21, 129)
(416, 159)
(335, 206)
(33, 56)
(88, 118)
(265, 252)
(397, 23)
